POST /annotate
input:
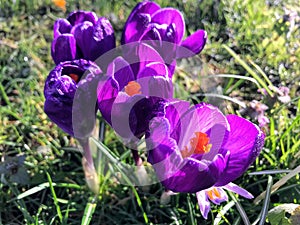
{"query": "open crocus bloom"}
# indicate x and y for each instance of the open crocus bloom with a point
(192, 149)
(70, 96)
(81, 35)
(128, 101)
(164, 28)
(217, 195)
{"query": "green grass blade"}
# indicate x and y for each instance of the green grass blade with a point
(191, 211)
(261, 72)
(238, 102)
(88, 212)
(60, 216)
(4, 95)
(41, 187)
(240, 209)
(247, 68)
(278, 184)
(122, 169)
(220, 214)
(295, 122)
(265, 207)
(240, 77)
(268, 172)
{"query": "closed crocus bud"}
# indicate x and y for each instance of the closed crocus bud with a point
(70, 96)
(81, 35)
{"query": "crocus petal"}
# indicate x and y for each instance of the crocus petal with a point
(238, 190)
(174, 111)
(103, 40)
(63, 48)
(222, 196)
(148, 54)
(150, 86)
(121, 71)
(171, 16)
(201, 118)
(203, 203)
(130, 116)
(60, 90)
(61, 26)
(175, 173)
(107, 92)
(192, 45)
(83, 34)
(152, 33)
(94, 40)
(78, 17)
(138, 21)
(85, 104)
(194, 175)
(154, 69)
(245, 142)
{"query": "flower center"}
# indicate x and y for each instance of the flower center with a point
(199, 145)
(133, 88)
(74, 77)
(213, 194)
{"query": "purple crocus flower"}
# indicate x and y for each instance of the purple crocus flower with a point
(81, 35)
(192, 149)
(70, 96)
(164, 28)
(218, 195)
(128, 100)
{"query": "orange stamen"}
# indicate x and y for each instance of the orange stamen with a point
(213, 194)
(133, 88)
(60, 4)
(74, 76)
(199, 145)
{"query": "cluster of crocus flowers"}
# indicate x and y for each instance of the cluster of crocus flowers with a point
(192, 149)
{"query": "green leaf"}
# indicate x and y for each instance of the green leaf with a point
(88, 212)
(278, 215)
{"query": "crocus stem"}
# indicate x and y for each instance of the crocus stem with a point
(87, 154)
(90, 173)
(101, 139)
(137, 159)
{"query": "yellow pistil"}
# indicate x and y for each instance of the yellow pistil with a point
(133, 88)
(213, 194)
(199, 145)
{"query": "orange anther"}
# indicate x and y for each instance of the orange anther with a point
(133, 88)
(75, 77)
